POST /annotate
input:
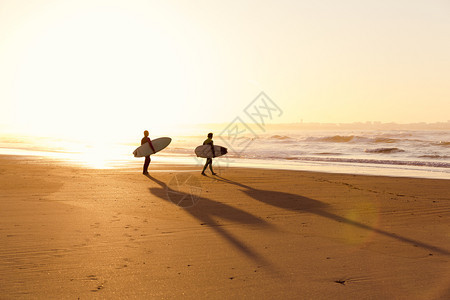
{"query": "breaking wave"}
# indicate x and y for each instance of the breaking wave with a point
(374, 161)
(436, 156)
(280, 137)
(442, 143)
(386, 140)
(334, 139)
(368, 139)
(384, 150)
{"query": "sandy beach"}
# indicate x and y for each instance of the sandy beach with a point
(69, 232)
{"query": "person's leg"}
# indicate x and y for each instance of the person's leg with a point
(206, 165)
(210, 167)
(146, 164)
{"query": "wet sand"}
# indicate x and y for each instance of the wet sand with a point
(69, 232)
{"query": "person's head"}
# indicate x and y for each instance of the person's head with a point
(146, 133)
(210, 135)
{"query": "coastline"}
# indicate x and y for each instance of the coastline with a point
(124, 162)
(67, 232)
(419, 154)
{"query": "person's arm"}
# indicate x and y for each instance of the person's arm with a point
(151, 145)
(212, 149)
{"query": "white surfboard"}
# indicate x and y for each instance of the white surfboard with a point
(205, 151)
(158, 144)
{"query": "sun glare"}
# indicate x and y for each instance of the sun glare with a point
(97, 73)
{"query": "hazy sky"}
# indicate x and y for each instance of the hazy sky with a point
(91, 65)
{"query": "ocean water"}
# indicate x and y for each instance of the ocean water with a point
(424, 154)
(393, 153)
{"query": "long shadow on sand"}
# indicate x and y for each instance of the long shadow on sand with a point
(208, 209)
(299, 203)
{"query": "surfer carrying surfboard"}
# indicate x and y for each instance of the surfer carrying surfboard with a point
(210, 142)
(144, 140)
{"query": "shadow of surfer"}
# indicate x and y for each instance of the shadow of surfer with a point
(296, 202)
(208, 209)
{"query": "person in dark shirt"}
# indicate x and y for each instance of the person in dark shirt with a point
(209, 141)
(144, 140)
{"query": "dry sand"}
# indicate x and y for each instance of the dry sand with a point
(68, 232)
